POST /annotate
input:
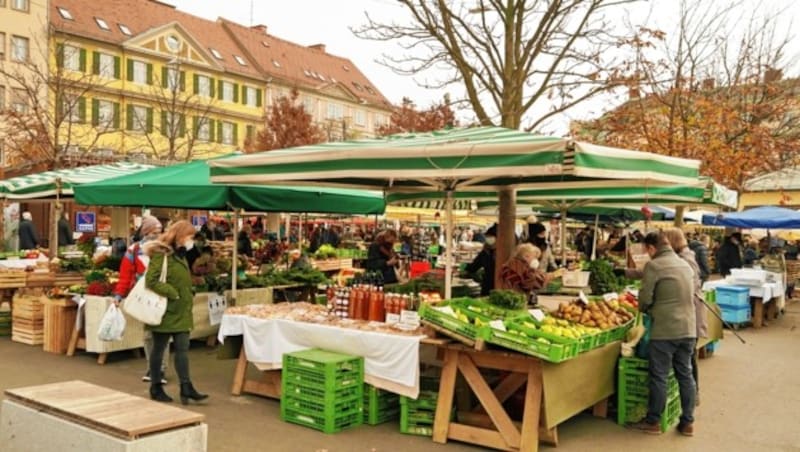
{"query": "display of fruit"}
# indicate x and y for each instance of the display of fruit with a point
(601, 314)
(628, 300)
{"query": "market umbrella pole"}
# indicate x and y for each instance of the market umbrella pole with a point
(506, 239)
(564, 237)
(448, 238)
(594, 236)
(235, 265)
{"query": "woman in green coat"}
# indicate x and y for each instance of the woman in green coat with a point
(177, 321)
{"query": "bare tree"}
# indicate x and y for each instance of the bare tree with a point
(183, 117)
(514, 58)
(46, 120)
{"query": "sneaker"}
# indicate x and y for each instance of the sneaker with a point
(645, 427)
(686, 429)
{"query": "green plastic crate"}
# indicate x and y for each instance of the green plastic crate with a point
(417, 416)
(633, 393)
(314, 393)
(554, 353)
(380, 406)
(323, 370)
(326, 418)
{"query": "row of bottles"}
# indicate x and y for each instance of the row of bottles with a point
(368, 302)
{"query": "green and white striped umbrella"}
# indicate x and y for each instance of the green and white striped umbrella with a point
(45, 184)
(481, 158)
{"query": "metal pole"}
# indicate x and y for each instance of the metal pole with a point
(594, 236)
(564, 236)
(235, 268)
(448, 238)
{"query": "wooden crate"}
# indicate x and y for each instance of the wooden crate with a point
(27, 331)
(28, 304)
(13, 279)
(69, 279)
(328, 265)
(45, 279)
(59, 321)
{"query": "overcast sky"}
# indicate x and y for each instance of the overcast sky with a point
(327, 21)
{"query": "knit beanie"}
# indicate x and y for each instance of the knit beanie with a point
(150, 225)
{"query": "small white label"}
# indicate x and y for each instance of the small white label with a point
(583, 299)
(445, 310)
(392, 318)
(498, 325)
(611, 296)
(409, 318)
(537, 314)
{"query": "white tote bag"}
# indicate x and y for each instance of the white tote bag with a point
(145, 305)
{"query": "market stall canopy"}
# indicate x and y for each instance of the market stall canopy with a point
(188, 186)
(480, 158)
(761, 217)
(46, 184)
(587, 214)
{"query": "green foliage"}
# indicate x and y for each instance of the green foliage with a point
(508, 299)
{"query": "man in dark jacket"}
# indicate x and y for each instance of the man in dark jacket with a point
(65, 231)
(486, 260)
(667, 295)
(701, 256)
(28, 238)
(729, 255)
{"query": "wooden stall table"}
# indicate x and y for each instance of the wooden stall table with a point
(59, 322)
(554, 393)
(84, 333)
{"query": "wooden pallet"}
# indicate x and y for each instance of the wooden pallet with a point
(59, 321)
(13, 279)
(328, 265)
(105, 410)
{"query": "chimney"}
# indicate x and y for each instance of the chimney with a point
(708, 84)
(320, 47)
(260, 27)
(633, 92)
(773, 75)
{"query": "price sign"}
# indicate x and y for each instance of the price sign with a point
(498, 325)
(583, 299)
(537, 314)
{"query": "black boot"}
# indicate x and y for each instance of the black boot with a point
(157, 393)
(188, 392)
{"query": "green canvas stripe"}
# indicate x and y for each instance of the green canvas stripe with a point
(641, 164)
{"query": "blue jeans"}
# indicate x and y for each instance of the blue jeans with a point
(677, 355)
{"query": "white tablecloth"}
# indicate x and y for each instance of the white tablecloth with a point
(766, 292)
(387, 357)
(18, 264)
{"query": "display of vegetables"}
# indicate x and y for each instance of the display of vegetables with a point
(601, 314)
(508, 299)
(326, 252)
(603, 279)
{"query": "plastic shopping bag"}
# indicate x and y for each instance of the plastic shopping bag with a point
(112, 325)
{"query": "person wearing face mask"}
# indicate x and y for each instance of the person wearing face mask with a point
(177, 321)
(486, 260)
(381, 256)
(537, 235)
(132, 267)
(729, 255)
(522, 274)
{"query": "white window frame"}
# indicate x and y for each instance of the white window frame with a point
(227, 133)
(71, 112)
(125, 30)
(240, 60)
(18, 101)
(215, 53)
(204, 130)
(204, 85)
(308, 105)
(140, 72)
(252, 96)
(360, 118)
(173, 78)
(15, 49)
(105, 114)
(21, 5)
(139, 118)
(227, 91)
(335, 111)
(380, 120)
(72, 58)
(64, 12)
(106, 65)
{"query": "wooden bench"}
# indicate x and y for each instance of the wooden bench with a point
(79, 416)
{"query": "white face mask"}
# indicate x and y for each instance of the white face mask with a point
(534, 263)
(189, 244)
(490, 240)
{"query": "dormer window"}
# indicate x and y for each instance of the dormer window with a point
(64, 12)
(307, 72)
(102, 24)
(125, 30)
(276, 63)
(239, 60)
(265, 43)
(216, 53)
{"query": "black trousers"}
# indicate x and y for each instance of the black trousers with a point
(160, 344)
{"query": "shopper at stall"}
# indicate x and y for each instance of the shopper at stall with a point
(381, 256)
(521, 273)
(751, 252)
(177, 321)
(537, 235)
(699, 245)
(132, 267)
(65, 231)
(667, 296)
(212, 231)
(243, 243)
(729, 255)
(28, 237)
(678, 243)
(485, 260)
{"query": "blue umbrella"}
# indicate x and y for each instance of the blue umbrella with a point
(761, 217)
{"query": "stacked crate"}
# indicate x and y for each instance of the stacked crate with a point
(633, 392)
(27, 317)
(380, 406)
(417, 415)
(322, 390)
(734, 302)
(5, 319)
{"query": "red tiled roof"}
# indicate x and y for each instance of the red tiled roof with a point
(305, 66)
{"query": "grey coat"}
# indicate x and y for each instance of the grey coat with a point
(667, 294)
(702, 325)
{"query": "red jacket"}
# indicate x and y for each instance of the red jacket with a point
(130, 270)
